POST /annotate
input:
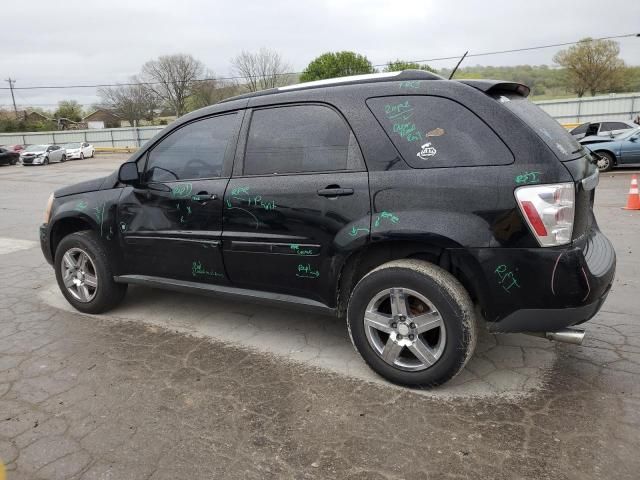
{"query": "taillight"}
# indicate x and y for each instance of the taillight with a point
(549, 211)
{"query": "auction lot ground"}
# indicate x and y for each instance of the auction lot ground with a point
(172, 386)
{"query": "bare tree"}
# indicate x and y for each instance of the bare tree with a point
(208, 92)
(133, 102)
(261, 70)
(172, 77)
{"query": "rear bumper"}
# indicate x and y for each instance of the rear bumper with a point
(541, 289)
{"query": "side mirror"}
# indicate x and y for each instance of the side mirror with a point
(611, 135)
(634, 138)
(128, 173)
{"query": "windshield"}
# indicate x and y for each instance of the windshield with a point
(35, 148)
(554, 135)
(71, 145)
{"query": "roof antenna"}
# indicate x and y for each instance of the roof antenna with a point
(458, 64)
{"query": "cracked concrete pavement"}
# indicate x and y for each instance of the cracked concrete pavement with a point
(181, 386)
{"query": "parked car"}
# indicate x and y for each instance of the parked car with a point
(8, 157)
(401, 202)
(42, 154)
(603, 129)
(13, 148)
(79, 150)
(622, 150)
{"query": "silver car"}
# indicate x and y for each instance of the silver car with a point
(42, 154)
(602, 128)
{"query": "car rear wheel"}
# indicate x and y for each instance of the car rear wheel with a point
(85, 275)
(605, 161)
(412, 322)
(63, 158)
(81, 156)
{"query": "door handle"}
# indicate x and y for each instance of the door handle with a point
(335, 192)
(203, 197)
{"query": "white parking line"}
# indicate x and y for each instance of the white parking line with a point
(10, 245)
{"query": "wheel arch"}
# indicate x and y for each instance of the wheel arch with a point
(610, 152)
(440, 251)
(66, 226)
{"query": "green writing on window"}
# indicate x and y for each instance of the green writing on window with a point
(181, 190)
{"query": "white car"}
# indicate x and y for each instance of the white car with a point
(607, 128)
(79, 150)
(42, 154)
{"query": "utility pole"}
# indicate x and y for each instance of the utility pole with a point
(11, 82)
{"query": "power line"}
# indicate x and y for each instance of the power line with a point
(455, 57)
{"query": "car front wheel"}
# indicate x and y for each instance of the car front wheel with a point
(85, 275)
(412, 322)
(605, 161)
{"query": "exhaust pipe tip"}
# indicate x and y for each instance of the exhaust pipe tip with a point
(567, 335)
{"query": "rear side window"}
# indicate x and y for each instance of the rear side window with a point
(298, 139)
(435, 132)
(608, 126)
(563, 144)
(194, 151)
(580, 129)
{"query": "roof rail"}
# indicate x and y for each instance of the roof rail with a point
(352, 79)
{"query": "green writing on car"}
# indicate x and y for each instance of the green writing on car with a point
(354, 231)
(240, 190)
(198, 270)
(410, 84)
(409, 131)
(182, 190)
(528, 178)
(301, 251)
(384, 215)
(307, 271)
(506, 277)
(80, 206)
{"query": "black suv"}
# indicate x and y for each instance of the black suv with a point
(408, 204)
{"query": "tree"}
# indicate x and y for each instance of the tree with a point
(171, 78)
(592, 66)
(212, 91)
(132, 102)
(399, 65)
(69, 109)
(336, 64)
(261, 70)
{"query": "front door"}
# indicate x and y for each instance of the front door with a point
(298, 206)
(171, 224)
(630, 150)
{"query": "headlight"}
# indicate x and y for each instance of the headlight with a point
(47, 211)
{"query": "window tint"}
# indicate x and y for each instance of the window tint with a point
(608, 126)
(563, 144)
(196, 150)
(436, 132)
(296, 139)
(580, 129)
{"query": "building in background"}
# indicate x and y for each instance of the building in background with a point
(102, 119)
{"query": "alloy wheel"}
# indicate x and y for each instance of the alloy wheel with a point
(405, 329)
(79, 275)
(602, 162)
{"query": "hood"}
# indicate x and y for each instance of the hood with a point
(39, 152)
(82, 187)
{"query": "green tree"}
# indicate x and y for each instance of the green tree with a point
(592, 66)
(399, 65)
(336, 64)
(69, 109)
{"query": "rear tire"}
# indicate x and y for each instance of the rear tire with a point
(81, 156)
(13, 161)
(427, 345)
(605, 161)
(84, 273)
(63, 158)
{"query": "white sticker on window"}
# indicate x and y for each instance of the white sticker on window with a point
(427, 151)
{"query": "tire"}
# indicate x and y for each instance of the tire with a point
(13, 161)
(46, 161)
(81, 156)
(605, 161)
(449, 340)
(63, 158)
(106, 294)
(93, 153)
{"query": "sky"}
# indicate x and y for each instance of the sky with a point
(71, 42)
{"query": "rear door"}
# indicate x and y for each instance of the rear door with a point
(298, 200)
(171, 225)
(630, 150)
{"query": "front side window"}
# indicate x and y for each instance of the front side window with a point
(297, 139)
(435, 132)
(196, 150)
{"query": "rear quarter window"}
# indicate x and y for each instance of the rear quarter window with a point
(435, 132)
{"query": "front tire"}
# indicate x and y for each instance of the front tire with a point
(412, 322)
(63, 158)
(605, 161)
(85, 275)
(81, 156)
(46, 161)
